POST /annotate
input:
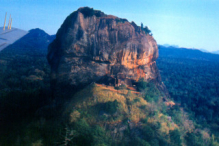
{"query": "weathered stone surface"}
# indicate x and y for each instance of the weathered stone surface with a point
(91, 44)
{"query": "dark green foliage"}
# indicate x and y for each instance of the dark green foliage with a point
(111, 107)
(193, 140)
(146, 30)
(24, 84)
(147, 135)
(151, 93)
(175, 137)
(150, 135)
(136, 100)
(154, 142)
(18, 104)
(191, 78)
(89, 12)
(191, 81)
(119, 20)
(82, 134)
(140, 142)
(193, 84)
(100, 137)
(141, 85)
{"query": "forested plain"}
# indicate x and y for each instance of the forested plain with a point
(192, 78)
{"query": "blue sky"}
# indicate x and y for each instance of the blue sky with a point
(187, 23)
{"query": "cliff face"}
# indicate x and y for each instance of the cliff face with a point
(90, 45)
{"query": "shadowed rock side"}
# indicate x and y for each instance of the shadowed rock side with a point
(91, 45)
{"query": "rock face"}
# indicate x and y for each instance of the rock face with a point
(91, 45)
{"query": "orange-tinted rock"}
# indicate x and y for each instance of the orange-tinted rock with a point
(90, 45)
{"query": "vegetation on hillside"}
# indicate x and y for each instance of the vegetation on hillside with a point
(24, 83)
(104, 115)
(193, 84)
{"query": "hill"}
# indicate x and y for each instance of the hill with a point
(24, 59)
(102, 115)
(91, 46)
(119, 114)
(24, 80)
(8, 37)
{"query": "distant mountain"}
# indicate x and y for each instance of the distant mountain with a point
(216, 52)
(8, 37)
(168, 45)
(203, 50)
(35, 42)
(173, 52)
(25, 60)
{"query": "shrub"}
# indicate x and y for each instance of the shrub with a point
(151, 93)
(111, 106)
(175, 137)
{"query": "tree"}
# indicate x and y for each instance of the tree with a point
(175, 137)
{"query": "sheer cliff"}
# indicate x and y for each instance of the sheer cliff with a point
(91, 47)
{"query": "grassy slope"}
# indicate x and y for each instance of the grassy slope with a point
(102, 115)
(133, 112)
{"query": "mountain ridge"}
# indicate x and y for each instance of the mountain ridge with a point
(194, 54)
(8, 37)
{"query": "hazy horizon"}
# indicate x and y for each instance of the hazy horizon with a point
(185, 23)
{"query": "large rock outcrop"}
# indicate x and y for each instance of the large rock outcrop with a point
(91, 45)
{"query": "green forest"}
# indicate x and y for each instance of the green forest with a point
(99, 115)
(192, 81)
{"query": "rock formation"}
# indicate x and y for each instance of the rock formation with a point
(91, 45)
